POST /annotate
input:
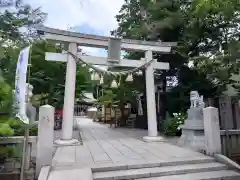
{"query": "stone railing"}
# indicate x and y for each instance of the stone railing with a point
(230, 141)
(11, 168)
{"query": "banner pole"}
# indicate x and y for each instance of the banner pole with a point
(24, 152)
(24, 164)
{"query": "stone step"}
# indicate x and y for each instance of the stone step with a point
(213, 175)
(159, 171)
(138, 165)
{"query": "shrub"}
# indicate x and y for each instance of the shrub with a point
(17, 127)
(6, 96)
(6, 130)
(33, 131)
(14, 124)
(171, 124)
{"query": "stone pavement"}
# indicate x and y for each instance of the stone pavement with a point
(103, 145)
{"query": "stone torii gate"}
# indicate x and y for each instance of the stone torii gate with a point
(73, 40)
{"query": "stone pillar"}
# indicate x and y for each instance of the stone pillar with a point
(211, 130)
(45, 137)
(69, 98)
(151, 102)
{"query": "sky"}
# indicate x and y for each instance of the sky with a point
(85, 16)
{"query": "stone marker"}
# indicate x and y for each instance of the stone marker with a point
(211, 130)
(45, 137)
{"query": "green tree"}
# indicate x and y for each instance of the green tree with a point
(148, 20)
(17, 31)
(48, 78)
(214, 25)
(207, 34)
(5, 96)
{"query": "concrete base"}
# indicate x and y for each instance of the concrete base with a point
(192, 139)
(79, 174)
(72, 142)
(153, 139)
(193, 131)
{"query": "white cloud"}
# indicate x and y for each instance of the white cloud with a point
(62, 14)
(98, 15)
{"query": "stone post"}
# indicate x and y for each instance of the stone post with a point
(211, 130)
(69, 98)
(45, 137)
(151, 102)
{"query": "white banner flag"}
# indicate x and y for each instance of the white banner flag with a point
(20, 84)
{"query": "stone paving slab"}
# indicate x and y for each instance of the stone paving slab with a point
(75, 174)
(83, 156)
(104, 145)
(223, 174)
(158, 171)
(103, 167)
(67, 154)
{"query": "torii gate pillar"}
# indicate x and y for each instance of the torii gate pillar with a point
(151, 102)
(150, 92)
(69, 97)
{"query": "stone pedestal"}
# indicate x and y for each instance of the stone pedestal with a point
(193, 130)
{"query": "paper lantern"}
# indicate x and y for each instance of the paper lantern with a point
(114, 84)
(92, 76)
(129, 78)
(139, 73)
